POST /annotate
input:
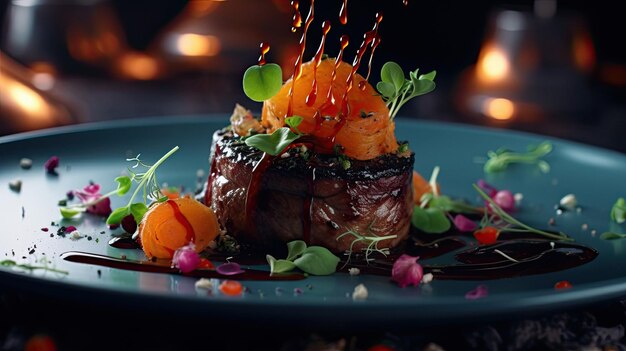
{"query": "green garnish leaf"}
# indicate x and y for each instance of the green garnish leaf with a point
(138, 210)
(279, 266)
(117, 215)
(123, 184)
(430, 220)
(274, 143)
(69, 212)
(317, 260)
(295, 249)
(500, 159)
(618, 211)
(612, 236)
(260, 83)
(294, 122)
(391, 72)
(30, 267)
(370, 237)
(446, 204)
(396, 90)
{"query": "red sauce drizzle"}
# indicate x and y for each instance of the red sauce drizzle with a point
(310, 99)
(297, 72)
(297, 17)
(180, 217)
(265, 48)
(343, 13)
(252, 195)
(374, 45)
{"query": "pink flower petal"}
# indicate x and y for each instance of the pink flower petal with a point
(487, 188)
(230, 268)
(186, 258)
(406, 271)
(478, 293)
(51, 164)
(505, 199)
(464, 224)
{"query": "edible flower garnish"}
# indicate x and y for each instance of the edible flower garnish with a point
(91, 198)
(406, 271)
(396, 90)
(464, 224)
(502, 221)
(503, 198)
(618, 211)
(500, 159)
(477, 293)
(316, 260)
(230, 268)
(146, 182)
(186, 258)
(51, 164)
(276, 142)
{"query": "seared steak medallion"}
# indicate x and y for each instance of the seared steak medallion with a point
(267, 201)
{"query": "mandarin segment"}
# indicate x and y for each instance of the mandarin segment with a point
(170, 225)
(368, 130)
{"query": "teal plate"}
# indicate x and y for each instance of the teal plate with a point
(97, 152)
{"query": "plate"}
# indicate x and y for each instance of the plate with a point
(97, 152)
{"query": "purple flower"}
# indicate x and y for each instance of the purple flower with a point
(186, 258)
(406, 271)
(487, 188)
(90, 195)
(464, 224)
(52, 164)
(505, 199)
(477, 293)
(230, 268)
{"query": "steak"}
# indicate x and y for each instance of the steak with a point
(265, 201)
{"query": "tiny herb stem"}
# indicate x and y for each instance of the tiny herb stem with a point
(149, 175)
(510, 219)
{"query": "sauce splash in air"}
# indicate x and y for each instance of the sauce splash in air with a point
(265, 48)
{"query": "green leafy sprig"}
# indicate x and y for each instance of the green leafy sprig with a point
(396, 90)
(514, 225)
(147, 184)
(618, 211)
(260, 83)
(30, 267)
(500, 159)
(316, 260)
(370, 238)
(276, 142)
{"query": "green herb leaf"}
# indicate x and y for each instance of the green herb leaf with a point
(396, 90)
(294, 122)
(123, 185)
(295, 249)
(430, 220)
(274, 143)
(612, 236)
(391, 72)
(618, 211)
(117, 215)
(317, 260)
(500, 159)
(138, 210)
(279, 266)
(260, 83)
(69, 212)
(446, 204)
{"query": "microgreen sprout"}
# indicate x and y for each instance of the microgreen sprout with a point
(500, 159)
(316, 260)
(146, 183)
(618, 211)
(513, 225)
(30, 267)
(276, 142)
(396, 90)
(370, 238)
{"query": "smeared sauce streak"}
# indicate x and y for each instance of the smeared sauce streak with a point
(153, 267)
(310, 99)
(190, 234)
(297, 72)
(265, 48)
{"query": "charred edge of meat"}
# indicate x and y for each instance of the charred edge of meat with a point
(327, 166)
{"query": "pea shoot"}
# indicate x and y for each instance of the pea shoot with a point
(396, 90)
(500, 159)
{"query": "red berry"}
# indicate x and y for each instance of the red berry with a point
(129, 224)
(205, 264)
(563, 284)
(487, 235)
